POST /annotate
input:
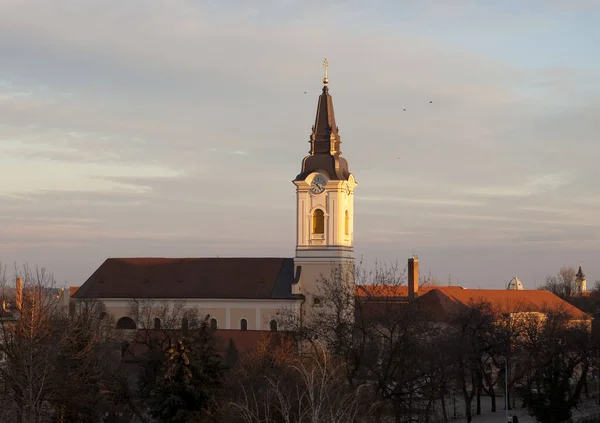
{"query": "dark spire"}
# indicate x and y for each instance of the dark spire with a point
(325, 138)
(580, 276)
(325, 153)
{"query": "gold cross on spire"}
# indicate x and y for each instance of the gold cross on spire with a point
(325, 65)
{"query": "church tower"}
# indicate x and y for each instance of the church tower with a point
(325, 207)
(580, 282)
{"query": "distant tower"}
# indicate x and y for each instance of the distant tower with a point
(413, 276)
(580, 283)
(515, 284)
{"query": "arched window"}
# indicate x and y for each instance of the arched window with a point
(347, 223)
(318, 222)
(243, 324)
(213, 324)
(156, 323)
(273, 325)
(126, 323)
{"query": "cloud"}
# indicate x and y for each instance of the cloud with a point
(40, 175)
(565, 222)
(547, 210)
(534, 185)
(191, 118)
(421, 201)
(587, 201)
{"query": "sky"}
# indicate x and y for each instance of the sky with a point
(174, 128)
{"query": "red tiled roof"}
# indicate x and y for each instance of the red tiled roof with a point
(72, 290)
(379, 300)
(383, 291)
(380, 291)
(252, 278)
(442, 302)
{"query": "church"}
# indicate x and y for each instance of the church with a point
(247, 293)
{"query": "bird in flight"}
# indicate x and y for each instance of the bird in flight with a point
(430, 102)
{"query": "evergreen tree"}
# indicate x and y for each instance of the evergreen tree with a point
(190, 380)
(231, 357)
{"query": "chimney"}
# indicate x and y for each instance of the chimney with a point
(413, 277)
(19, 293)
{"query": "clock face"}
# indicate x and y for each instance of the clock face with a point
(317, 185)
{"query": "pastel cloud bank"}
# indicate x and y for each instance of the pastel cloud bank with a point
(174, 128)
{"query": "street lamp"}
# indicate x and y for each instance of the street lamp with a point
(505, 360)
(597, 371)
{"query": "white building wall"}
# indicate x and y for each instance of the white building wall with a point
(263, 310)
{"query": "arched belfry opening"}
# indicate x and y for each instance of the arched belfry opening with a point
(318, 222)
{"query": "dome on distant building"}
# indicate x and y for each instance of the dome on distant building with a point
(515, 283)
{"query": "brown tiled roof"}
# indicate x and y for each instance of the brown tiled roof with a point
(72, 290)
(444, 302)
(240, 278)
(244, 341)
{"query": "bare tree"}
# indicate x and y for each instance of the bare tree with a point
(330, 321)
(438, 373)
(30, 344)
(54, 364)
(471, 327)
(559, 352)
(499, 344)
(163, 315)
(377, 335)
(83, 387)
(271, 358)
(333, 323)
(313, 390)
(563, 283)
